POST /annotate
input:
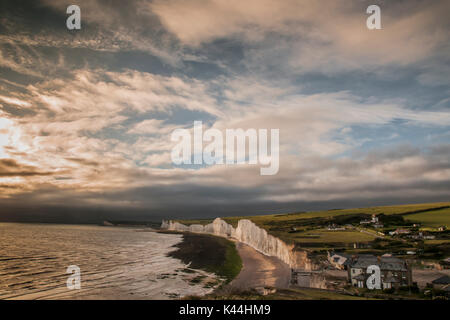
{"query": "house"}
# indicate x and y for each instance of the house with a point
(416, 236)
(374, 220)
(339, 260)
(357, 269)
(361, 245)
(445, 264)
(394, 272)
(301, 278)
(333, 227)
(400, 231)
(378, 225)
(442, 228)
(441, 283)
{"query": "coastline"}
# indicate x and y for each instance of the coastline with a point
(253, 269)
(258, 271)
(209, 253)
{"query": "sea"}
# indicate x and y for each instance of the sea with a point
(55, 261)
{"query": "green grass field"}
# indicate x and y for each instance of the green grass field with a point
(387, 210)
(281, 225)
(437, 241)
(325, 236)
(432, 218)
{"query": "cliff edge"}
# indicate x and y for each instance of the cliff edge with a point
(249, 233)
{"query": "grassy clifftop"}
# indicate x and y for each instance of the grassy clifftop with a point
(309, 229)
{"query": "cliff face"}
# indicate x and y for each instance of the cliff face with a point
(258, 238)
(252, 235)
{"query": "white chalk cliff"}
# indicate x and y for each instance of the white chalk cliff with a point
(252, 235)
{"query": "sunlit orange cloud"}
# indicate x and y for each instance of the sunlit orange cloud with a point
(60, 137)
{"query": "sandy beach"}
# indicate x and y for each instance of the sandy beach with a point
(260, 270)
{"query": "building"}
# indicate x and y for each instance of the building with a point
(361, 245)
(374, 221)
(339, 260)
(399, 231)
(445, 264)
(441, 283)
(333, 227)
(395, 272)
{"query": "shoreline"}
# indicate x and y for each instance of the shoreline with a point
(257, 270)
(209, 253)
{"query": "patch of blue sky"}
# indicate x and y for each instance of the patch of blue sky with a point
(399, 132)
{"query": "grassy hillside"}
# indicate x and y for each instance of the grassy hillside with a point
(432, 218)
(325, 236)
(308, 227)
(289, 217)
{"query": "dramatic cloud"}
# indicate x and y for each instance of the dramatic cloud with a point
(86, 116)
(326, 36)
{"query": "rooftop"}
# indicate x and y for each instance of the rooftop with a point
(442, 280)
(385, 263)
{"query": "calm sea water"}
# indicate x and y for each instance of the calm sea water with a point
(115, 263)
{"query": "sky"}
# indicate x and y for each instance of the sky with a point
(86, 115)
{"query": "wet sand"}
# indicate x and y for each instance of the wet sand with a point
(260, 270)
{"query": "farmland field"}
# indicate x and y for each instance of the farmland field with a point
(432, 218)
(261, 220)
(295, 227)
(326, 236)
